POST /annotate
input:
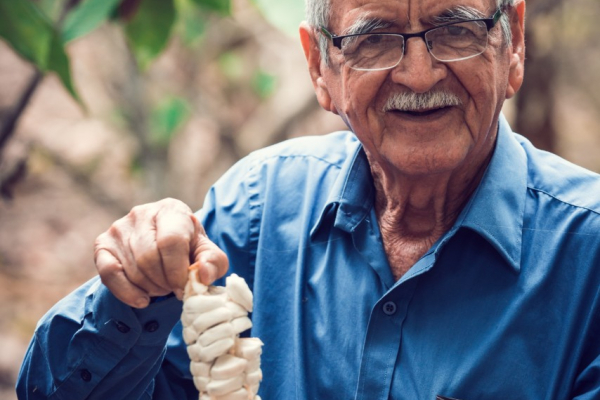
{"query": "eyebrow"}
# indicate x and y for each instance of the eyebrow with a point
(456, 14)
(365, 24)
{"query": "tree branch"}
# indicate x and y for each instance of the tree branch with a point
(8, 128)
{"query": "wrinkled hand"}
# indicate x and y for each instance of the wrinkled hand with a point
(147, 253)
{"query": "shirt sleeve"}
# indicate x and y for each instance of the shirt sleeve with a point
(92, 346)
(587, 383)
(587, 386)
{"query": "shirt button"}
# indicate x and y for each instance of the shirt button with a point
(121, 327)
(86, 375)
(151, 326)
(389, 308)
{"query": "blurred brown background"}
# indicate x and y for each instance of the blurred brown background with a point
(67, 173)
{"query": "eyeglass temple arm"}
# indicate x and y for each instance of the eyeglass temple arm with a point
(336, 40)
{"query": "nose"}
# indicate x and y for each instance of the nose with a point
(418, 70)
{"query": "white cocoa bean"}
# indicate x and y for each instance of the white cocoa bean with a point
(211, 318)
(218, 332)
(228, 366)
(241, 324)
(221, 387)
(238, 291)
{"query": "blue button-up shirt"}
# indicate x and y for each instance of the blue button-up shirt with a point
(506, 305)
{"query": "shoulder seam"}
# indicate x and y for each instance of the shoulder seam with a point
(597, 212)
(261, 160)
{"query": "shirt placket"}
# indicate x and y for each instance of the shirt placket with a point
(382, 343)
(384, 331)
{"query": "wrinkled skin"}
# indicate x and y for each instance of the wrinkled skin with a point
(424, 167)
(148, 252)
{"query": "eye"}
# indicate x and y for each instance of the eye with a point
(373, 39)
(361, 42)
(457, 30)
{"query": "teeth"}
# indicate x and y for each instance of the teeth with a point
(223, 365)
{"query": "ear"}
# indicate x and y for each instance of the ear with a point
(309, 40)
(517, 51)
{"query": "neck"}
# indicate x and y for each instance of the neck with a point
(415, 211)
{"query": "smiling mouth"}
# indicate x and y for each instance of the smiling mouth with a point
(421, 113)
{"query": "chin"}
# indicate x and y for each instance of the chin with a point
(427, 158)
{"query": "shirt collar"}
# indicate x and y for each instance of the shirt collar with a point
(495, 211)
(351, 196)
(497, 207)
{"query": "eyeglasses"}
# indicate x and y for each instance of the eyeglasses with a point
(447, 43)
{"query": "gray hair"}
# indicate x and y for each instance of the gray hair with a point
(319, 11)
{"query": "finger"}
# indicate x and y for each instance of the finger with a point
(147, 258)
(213, 261)
(113, 277)
(175, 230)
(118, 241)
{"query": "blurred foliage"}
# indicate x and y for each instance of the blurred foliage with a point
(32, 34)
(149, 30)
(225, 83)
(168, 118)
(39, 30)
(264, 83)
(285, 15)
(86, 17)
(222, 7)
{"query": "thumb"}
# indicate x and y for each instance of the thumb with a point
(212, 261)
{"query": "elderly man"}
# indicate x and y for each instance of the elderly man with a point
(429, 253)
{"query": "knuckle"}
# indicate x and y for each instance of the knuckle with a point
(173, 240)
(174, 204)
(107, 271)
(136, 212)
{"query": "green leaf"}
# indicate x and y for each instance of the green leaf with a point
(59, 63)
(51, 8)
(168, 118)
(148, 32)
(285, 15)
(222, 7)
(191, 22)
(232, 66)
(264, 84)
(86, 17)
(27, 30)
(31, 34)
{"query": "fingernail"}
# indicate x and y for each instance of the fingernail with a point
(178, 294)
(209, 273)
(142, 302)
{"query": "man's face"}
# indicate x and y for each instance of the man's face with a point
(443, 140)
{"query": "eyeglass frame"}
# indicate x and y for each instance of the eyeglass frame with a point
(489, 23)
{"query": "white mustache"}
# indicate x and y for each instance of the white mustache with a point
(411, 101)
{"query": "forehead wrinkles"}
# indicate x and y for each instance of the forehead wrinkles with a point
(406, 14)
(347, 15)
(365, 24)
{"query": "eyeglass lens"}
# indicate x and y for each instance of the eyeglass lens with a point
(447, 43)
